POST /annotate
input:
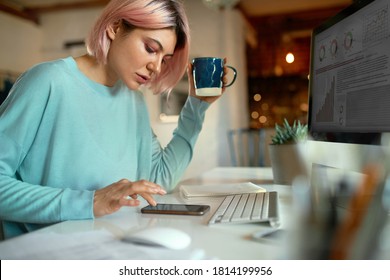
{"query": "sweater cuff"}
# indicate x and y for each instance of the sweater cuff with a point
(77, 205)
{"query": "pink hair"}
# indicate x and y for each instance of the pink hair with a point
(152, 14)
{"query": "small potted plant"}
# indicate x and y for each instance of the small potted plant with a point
(287, 134)
(287, 151)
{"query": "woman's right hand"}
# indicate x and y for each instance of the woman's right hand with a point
(124, 193)
(191, 86)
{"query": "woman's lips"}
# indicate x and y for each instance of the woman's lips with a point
(142, 79)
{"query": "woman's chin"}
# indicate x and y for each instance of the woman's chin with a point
(133, 85)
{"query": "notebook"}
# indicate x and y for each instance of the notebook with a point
(220, 189)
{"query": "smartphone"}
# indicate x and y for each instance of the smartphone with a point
(176, 209)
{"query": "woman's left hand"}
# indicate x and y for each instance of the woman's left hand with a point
(209, 99)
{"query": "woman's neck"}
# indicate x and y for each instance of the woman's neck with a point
(96, 71)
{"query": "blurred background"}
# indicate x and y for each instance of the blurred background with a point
(268, 42)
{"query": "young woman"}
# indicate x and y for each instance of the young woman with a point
(76, 141)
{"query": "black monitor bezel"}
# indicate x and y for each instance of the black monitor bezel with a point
(370, 138)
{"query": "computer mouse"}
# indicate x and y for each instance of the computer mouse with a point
(167, 237)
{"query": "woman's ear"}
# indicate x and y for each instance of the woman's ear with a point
(113, 29)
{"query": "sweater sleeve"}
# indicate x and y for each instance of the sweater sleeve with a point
(20, 119)
(169, 163)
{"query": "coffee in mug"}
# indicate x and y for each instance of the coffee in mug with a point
(208, 73)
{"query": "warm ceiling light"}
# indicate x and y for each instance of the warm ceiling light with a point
(257, 97)
(290, 57)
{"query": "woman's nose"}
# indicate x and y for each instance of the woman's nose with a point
(154, 66)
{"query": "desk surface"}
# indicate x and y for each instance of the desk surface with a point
(218, 241)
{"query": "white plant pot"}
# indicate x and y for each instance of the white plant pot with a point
(287, 162)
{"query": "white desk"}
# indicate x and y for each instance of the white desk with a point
(218, 241)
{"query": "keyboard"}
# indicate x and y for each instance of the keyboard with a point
(247, 208)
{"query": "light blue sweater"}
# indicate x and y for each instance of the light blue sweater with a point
(62, 136)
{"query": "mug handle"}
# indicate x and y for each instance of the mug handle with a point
(234, 77)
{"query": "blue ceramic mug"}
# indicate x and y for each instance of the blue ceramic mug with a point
(208, 73)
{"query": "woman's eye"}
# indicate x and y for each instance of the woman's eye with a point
(149, 49)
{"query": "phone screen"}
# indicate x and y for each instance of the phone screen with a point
(177, 209)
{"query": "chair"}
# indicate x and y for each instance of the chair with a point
(247, 146)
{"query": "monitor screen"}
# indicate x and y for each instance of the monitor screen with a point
(349, 82)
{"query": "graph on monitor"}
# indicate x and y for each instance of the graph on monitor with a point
(350, 71)
(326, 111)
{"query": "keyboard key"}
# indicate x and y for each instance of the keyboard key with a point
(230, 210)
(258, 206)
(247, 214)
(238, 213)
(217, 217)
(264, 212)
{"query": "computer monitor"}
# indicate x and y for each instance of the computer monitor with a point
(349, 85)
(349, 121)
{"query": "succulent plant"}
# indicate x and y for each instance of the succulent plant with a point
(288, 134)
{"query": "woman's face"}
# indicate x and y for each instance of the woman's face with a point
(138, 56)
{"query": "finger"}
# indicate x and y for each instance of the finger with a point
(143, 186)
(140, 182)
(224, 77)
(191, 84)
(155, 188)
(128, 202)
(189, 68)
(189, 71)
(147, 183)
(224, 80)
(149, 199)
(138, 189)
